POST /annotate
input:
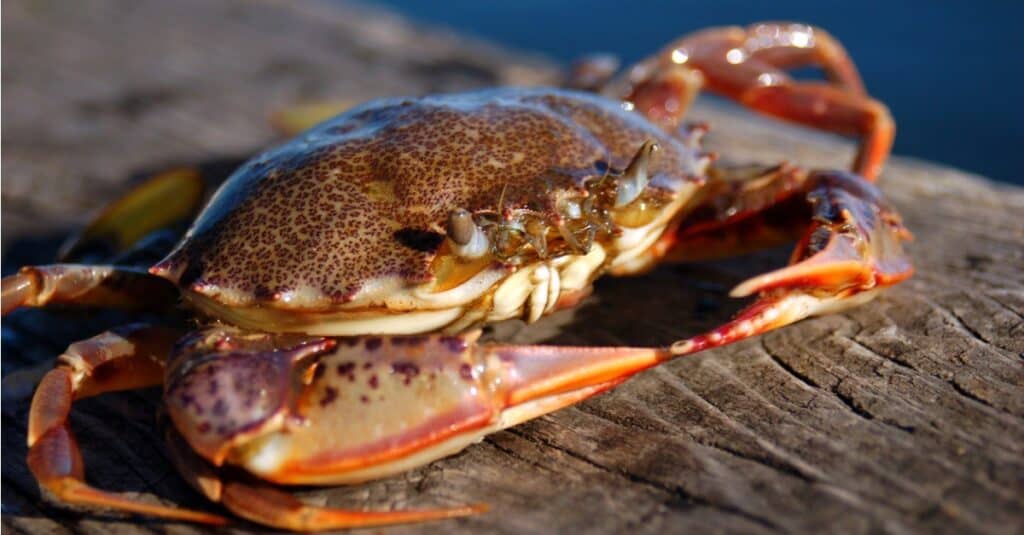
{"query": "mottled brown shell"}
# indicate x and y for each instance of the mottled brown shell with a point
(365, 196)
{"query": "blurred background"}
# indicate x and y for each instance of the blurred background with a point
(952, 72)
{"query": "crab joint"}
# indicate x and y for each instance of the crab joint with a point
(466, 238)
(634, 179)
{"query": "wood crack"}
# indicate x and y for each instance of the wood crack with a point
(766, 461)
(674, 490)
(846, 400)
(910, 368)
(959, 389)
(787, 461)
(804, 379)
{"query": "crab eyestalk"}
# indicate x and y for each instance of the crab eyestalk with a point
(466, 238)
(635, 178)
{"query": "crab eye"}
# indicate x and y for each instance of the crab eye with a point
(634, 179)
(464, 236)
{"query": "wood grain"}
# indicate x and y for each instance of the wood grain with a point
(905, 415)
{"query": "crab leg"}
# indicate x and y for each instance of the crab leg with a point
(84, 285)
(747, 65)
(268, 506)
(828, 108)
(125, 358)
(774, 45)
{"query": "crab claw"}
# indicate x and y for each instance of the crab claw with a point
(536, 380)
(853, 243)
(634, 179)
(850, 251)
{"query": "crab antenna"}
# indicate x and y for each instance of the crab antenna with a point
(634, 178)
(465, 237)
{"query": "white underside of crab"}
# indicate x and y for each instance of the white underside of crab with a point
(528, 292)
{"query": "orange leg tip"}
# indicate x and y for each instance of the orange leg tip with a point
(319, 519)
(272, 507)
(475, 509)
(74, 491)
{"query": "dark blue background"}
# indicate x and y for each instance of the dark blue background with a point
(950, 71)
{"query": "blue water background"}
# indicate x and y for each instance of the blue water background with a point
(952, 72)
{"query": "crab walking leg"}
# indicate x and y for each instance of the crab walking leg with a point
(747, 65)
(781, 45)
(268, 506)
(84, 285)
(828, 108)
(126, 358)
(664, 95)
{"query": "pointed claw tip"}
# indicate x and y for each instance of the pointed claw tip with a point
(743, 289)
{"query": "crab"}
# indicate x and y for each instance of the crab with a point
(338, 280)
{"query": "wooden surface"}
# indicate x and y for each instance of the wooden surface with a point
(905, 415)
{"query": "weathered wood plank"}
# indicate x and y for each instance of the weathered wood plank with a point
(903, 415)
